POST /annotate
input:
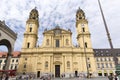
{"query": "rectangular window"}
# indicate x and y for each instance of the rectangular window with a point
(3, 67)
(46, 64)
(11, 67)
(28, 45)
(5, 61)
(98, 65)
(102, 65)
(106, 65)
(57, 43)
(97, 59)
(105, 59)
(89, 66)
(26, 59)
(15, 67)
(88, 58)
(12, 60)
(24, 65)
(85, 44)
(0, 61)
(111, 65)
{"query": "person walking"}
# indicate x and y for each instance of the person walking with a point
(7, 77)
(110, 77)
(116, 77)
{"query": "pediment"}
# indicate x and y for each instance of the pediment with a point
(57, 30)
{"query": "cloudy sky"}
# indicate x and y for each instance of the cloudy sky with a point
(62, 13)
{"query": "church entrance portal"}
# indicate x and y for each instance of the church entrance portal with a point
(38, 74)
(76, 73)
(57, 70)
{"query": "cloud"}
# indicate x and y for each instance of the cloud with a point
(62, 12)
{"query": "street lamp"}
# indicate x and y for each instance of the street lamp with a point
(83, 30)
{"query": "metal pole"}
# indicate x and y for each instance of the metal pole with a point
(85, 53)
(110, 42)
(106, 28)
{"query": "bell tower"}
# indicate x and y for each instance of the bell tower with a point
(83, 34)
(31, 32)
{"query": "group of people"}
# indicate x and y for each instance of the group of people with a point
(19, 77)
(4, 77)
(113, 77)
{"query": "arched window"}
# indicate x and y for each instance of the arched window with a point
(30, 29)
(47, 42)
(67, 42)
(46, 64)
(85, 44)
(83, 29)
(28, 45)
(13, 60)
(68, 63)
(17, 60)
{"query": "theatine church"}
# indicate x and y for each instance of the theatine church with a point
(57, 55)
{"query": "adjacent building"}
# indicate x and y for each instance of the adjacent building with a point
(14, 60)
(105, 63)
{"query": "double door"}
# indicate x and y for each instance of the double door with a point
(57, 70)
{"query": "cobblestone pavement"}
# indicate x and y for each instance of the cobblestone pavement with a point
(98, 78)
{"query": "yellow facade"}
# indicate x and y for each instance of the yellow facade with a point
(57, 55)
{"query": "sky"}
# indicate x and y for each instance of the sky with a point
(63, 13)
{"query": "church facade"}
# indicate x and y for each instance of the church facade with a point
(57, 55)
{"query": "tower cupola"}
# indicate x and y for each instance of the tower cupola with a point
(34, 14)
(31, 33)
(80, 14)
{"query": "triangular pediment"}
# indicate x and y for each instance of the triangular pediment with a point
(57, 30)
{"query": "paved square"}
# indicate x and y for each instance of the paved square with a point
(98, 78)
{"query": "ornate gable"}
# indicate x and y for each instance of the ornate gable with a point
(57, 31)
(57, 36)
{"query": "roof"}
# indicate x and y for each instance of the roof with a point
(106, 52)
(14, 54)
(57, 28)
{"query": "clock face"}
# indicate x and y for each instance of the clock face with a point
(30, 25)
(82, 25)
(57, 32)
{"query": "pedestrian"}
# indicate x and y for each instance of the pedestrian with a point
(1, 76)
(116, 77)
(7, 77)
(110, 77)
